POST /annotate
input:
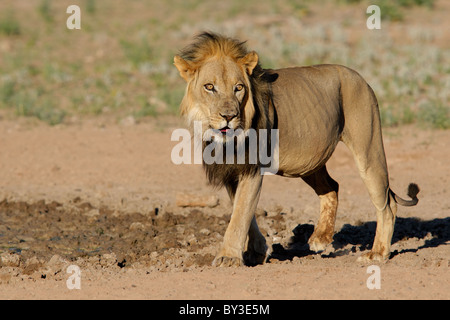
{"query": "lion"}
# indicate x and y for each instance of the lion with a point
(313, 107)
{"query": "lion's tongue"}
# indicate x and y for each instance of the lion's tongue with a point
(224, 130)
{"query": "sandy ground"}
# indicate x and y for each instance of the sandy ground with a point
(102, 196)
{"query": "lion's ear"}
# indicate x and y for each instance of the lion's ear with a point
(184, 67)
(249, 61)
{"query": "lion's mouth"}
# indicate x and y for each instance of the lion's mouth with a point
(224, 130)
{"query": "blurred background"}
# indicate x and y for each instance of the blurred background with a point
(119, 65)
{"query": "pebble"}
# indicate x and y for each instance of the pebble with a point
(10, 260)
(137, 226)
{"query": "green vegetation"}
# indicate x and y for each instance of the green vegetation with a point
(120, 62)
(394, 10)
(435, 114)
(91, 6)
(9, 25)
(45, 10)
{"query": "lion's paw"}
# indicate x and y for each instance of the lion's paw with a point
(318, 244)
(256, 252)
(372, 257)
(222, 261)
(253, 258)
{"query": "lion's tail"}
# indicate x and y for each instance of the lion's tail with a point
(413, 190)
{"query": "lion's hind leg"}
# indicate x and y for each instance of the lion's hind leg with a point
(376, 181)
(327, 189)
(362, 135)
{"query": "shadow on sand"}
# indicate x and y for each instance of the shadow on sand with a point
(436, 232)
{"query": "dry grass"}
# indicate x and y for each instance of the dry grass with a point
(120, 62)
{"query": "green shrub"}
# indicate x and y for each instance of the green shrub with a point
(434, 114)
(9, 25)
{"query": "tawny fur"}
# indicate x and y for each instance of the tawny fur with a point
(313, 108)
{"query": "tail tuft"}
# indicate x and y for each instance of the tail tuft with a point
(413, 190)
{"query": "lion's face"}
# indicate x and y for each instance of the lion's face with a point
(218, 93)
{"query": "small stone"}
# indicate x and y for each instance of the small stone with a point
(137, 226)
(128, 121)
(194, 200)
(10, 259)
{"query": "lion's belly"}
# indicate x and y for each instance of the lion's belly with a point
(306, 148)
(301, 160)
(309, 118)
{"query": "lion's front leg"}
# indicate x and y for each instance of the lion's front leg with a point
(257, 247)
(244, 206)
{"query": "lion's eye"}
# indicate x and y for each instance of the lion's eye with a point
(239, 87)
(209, 87)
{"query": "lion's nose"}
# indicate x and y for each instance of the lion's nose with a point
(228, 116)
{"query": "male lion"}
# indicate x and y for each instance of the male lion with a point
(313, 108)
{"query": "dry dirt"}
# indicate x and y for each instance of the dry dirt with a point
(102, 196)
